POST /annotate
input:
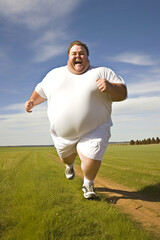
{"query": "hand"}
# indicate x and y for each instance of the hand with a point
(102, 84)
(29, 105)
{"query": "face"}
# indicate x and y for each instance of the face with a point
(78, 61)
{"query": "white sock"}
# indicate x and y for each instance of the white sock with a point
(70, 166)
(87, 182)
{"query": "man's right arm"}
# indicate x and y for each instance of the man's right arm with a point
(34, 100)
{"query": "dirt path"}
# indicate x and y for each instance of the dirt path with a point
(139, 207)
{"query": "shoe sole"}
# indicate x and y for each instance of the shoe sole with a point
(70, 178)
(91, 197)
(88, 196)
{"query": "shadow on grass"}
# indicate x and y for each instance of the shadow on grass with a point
(149, 193)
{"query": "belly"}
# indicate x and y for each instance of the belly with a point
(75, 115)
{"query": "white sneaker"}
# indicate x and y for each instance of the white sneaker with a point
(69, 172)
(89, 192)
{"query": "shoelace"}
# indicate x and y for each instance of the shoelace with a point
(69, 170)
(90, 188)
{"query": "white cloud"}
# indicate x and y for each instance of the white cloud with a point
(134, 106)
(135, 58)
(48, 51)
(136, 118)
(144, 87)
(16, 114)
(49, 19)
(22, 128)
(49, 45)
(156, 70)
(36, 13)
(18, 107)
(17, 6)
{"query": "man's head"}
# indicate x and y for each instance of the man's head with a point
(78, 61)
(79, 43)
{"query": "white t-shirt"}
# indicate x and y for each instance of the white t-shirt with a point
(75, 105)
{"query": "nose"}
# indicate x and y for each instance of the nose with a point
(78, 54)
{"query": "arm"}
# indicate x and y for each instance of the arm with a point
(117, 91)
(34, 100)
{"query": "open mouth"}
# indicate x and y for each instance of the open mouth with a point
(78, 62)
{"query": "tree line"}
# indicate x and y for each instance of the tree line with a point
(145, 141)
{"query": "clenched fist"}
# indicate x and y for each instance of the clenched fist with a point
(29, 105)
(102, 84)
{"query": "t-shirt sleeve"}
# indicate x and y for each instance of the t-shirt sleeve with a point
(40, 90)
(117, 79)
(114, 78)
(111, 76)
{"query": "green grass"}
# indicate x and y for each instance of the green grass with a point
(134, 166)
(38, 203)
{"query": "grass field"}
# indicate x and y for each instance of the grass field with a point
(134, 166)
(38, 203)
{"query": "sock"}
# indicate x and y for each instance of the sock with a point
(87, 182)
(70, 165)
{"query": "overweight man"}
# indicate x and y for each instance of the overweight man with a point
(80, 98)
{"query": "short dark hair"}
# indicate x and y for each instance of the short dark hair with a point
(80, 44)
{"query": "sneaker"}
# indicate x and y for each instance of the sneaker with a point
(89, 192)
(69, 172)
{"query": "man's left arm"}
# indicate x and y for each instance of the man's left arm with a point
(117, 91)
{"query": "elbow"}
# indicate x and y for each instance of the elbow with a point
(122, 94)
(125, 94)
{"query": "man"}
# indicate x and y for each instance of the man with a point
(79, 109)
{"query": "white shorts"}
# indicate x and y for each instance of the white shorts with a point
(91, 145)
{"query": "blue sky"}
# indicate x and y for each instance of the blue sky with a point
(123, 35)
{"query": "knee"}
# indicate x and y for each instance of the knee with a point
(70, 159)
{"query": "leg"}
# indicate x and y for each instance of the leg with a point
(89, 166)
(69, 161)
(91, 149)
(65, 148)
(90, 169)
